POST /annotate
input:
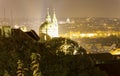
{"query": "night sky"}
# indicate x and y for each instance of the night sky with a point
(81, 8)
(64, 8)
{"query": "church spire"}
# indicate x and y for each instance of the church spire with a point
(54, 16)
(48, 18)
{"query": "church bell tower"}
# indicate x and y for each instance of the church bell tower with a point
(55, 24)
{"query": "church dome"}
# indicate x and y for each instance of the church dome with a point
(45, 25)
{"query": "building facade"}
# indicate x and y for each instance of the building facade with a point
(50, 26)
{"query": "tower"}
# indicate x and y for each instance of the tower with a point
(50, 26)
(48, 18)
(55, 24)
(54, 17)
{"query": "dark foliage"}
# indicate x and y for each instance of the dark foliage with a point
(51, 64)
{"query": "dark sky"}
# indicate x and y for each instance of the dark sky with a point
(64, 8)
(81, 8)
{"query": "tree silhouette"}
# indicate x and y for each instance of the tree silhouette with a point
(65, 45)
(53, 62)
(35, 58)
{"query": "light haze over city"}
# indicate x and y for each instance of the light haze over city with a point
(64, 8)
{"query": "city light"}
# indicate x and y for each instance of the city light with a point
(115, 52)
(90, 35)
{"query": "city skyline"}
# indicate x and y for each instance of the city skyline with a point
(59, 38)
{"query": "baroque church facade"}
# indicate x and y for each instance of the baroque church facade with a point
(50, 26)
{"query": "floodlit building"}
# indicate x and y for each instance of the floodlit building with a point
(6, 31)
(50, 26)
(115, 51)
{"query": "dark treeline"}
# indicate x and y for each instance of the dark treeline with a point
(31, 58)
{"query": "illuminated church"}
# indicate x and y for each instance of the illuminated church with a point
(50, 26)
